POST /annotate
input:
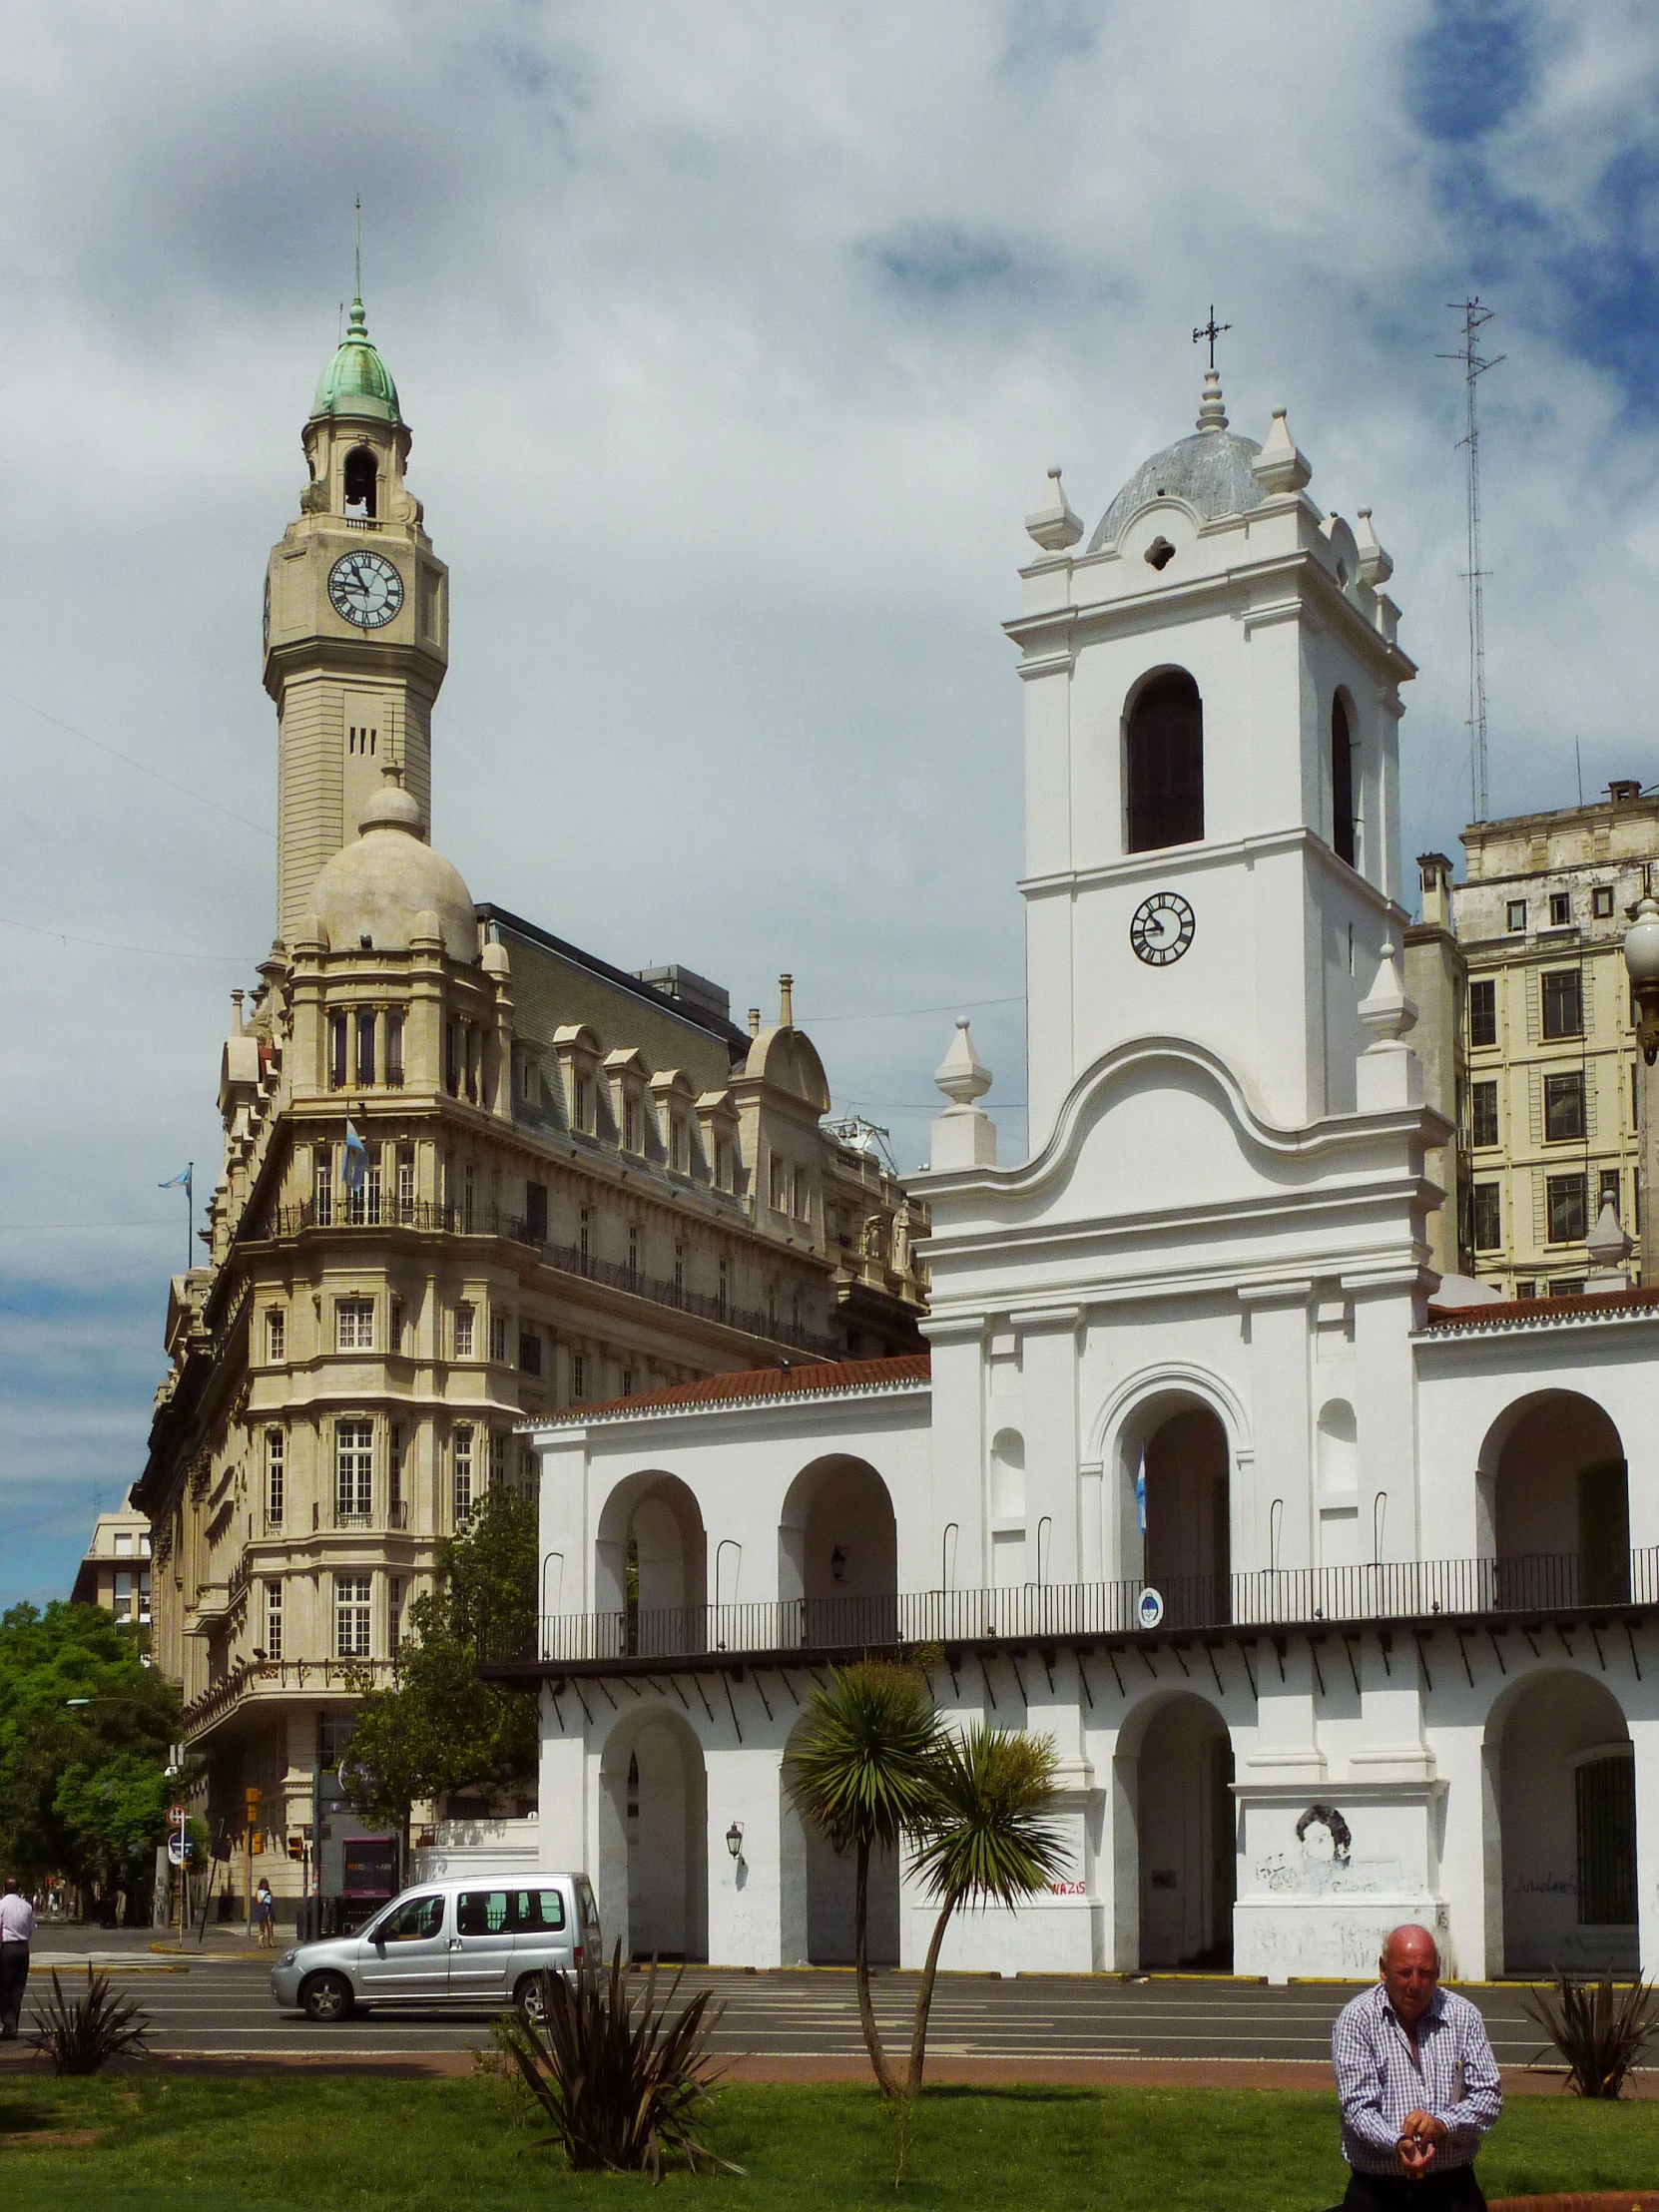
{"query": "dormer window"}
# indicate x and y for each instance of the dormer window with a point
(362, 477)
(1164, 765)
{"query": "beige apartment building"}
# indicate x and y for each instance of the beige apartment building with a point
(1518, 973)
(115, 1569)
(471, 1173)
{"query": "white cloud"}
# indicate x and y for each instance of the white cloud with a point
(736, 341)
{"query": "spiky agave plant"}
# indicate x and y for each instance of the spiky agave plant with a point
(619, 2072)
(1599, 2035)
(81, 2034)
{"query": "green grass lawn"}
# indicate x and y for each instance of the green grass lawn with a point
(358, 2143)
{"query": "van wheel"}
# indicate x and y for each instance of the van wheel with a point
(531, 1999)
(327, 1998)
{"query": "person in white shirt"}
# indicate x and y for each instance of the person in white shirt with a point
(17, 1927)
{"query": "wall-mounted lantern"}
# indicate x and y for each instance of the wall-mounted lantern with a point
(838, 1564)
(733, 1838)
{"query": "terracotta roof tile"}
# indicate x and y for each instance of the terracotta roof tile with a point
(756, 1382)
(1508, 1312)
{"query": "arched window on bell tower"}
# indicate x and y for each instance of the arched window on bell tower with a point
(361, 483)
(1164, 763)
(1341, 782)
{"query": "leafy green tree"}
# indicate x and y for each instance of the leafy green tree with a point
(439, 1728)
(986, 1836)
(861, 1773)
(85, 1728)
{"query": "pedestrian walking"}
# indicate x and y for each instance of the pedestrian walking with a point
(1418, 2083)
(264, 1915)
(17, 1931)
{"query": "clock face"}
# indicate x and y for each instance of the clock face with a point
(1162, 928)
(365, 589)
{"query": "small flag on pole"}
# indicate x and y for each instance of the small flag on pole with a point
(186, 1178)
(174, 1181)
(357, 1159)
(1140, 1497)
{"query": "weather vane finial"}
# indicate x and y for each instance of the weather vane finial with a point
(359, 259)
(1211, 330)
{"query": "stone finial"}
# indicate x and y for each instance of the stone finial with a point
(785, 1002)
(962, 1074)
(1375, 565)
(1212, 410)
(1054, 526)
(1607, 1244)
(1281, 465)
(754, 1021)
(1387, 1012)
(964, 1135)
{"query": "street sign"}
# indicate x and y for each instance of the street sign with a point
(179, 1847)
(176, 1816)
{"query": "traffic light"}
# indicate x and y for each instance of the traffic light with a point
(296, 1847)
(253, 1796)
(259, 1841)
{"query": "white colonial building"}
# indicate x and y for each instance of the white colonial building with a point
(1335, 1585)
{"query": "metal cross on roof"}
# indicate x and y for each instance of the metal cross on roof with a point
(1211, 330)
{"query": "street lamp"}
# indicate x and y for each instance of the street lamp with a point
(1641, 959)
(733, 1838)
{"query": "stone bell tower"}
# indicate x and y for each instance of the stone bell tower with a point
(357, 624)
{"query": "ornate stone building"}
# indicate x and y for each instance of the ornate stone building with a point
(471, 1173)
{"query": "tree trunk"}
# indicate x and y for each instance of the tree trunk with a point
(885, 2079)
(925, 1998)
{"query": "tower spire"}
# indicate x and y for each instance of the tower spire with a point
(358, 289)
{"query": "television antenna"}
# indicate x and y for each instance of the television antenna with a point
(1475, 318)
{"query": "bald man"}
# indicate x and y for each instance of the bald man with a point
(1419, 2086)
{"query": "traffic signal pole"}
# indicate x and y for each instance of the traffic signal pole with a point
(252, 1802)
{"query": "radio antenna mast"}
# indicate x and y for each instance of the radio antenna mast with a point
(1475, 316)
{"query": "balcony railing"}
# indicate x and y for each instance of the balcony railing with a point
(364, 1211)
(1535, 1584)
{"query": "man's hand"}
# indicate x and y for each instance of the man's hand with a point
(1420, 2134)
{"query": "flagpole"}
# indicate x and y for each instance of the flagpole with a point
(190, 1216)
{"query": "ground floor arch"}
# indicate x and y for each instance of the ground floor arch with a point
(654, 1838)
(1174, 1769)
(1562, 1800)
(816, 1890)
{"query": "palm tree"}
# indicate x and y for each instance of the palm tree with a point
(863, 1773)
(985, 1838)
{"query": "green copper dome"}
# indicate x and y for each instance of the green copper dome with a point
(356, 381)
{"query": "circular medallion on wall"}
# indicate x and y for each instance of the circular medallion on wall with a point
(1162, 928)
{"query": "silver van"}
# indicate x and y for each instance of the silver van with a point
(482, 1943)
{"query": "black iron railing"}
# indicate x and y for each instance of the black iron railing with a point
(1399, 1590)
(367, 1210)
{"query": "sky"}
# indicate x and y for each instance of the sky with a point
(737, 341)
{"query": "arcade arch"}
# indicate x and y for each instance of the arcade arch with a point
(837, 1552)
(653, 1880)
(1561, 1785)
(1175, 1502)
(651, 1563)
(1174, 1770)
(1555, 1502)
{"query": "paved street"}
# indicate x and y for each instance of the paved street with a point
(213, 2003)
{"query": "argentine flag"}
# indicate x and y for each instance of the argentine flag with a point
(357, 1159)
(1140, 1495)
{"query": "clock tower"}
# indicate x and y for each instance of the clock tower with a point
(357, 624)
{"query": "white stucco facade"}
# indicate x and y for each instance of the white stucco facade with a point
(1336, 1602)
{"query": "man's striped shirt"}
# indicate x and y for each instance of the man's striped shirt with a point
(1452, 2076)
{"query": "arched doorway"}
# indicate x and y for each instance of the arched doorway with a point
(1185, 1832)
(1555, 1494)
(654, 1829)
(651, 1566)
(838, 1554)
(1177, 1496)
(1566, 1810)
(817, 1893)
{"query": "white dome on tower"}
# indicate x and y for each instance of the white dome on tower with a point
(376, 892)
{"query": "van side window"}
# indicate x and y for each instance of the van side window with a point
(413, 1921)
(481, 1913)
(540, 1910)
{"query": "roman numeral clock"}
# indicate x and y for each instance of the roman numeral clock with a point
(1160, 928)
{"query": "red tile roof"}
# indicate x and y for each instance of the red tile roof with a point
(754, 1383)
(1508, 1312)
